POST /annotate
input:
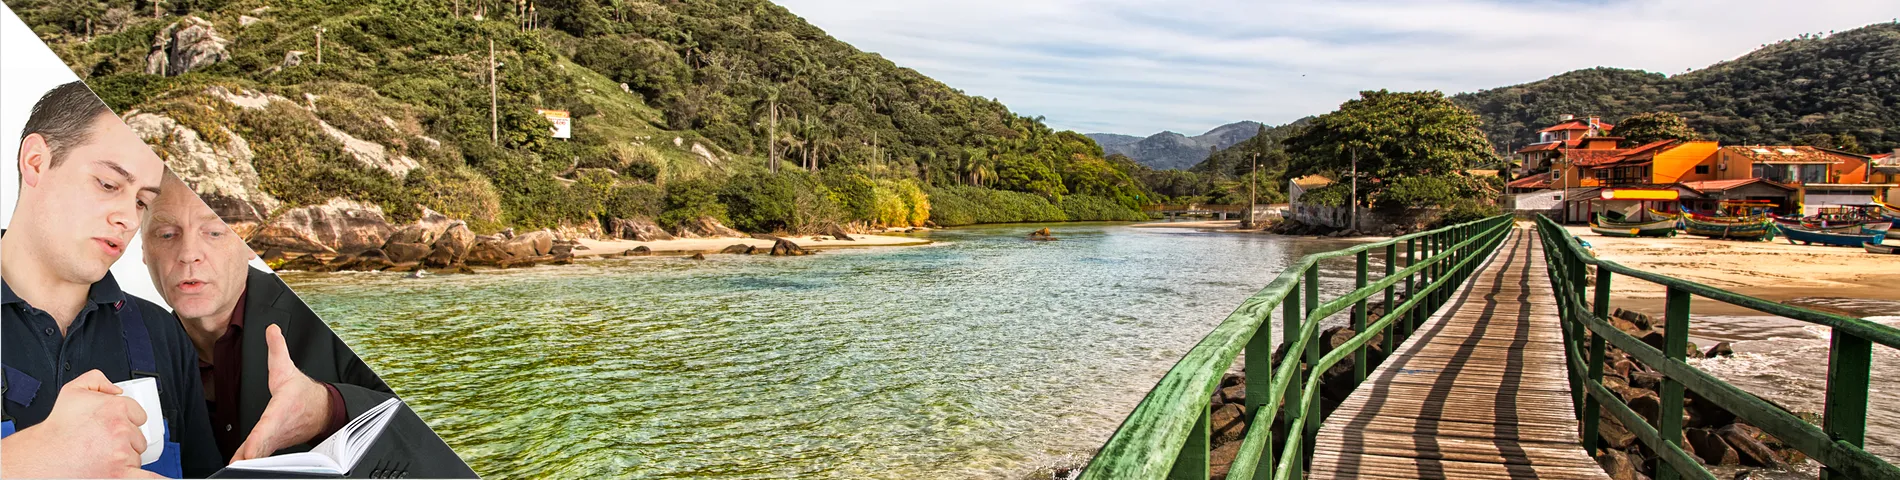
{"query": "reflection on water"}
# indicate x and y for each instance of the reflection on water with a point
(1785, 361)
(979, 356)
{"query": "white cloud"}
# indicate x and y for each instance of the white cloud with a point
(1141, 66)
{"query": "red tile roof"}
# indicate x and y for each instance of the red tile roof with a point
(1591, 158)
(1724, 185)
(1541, 180)
(1577, 124)
(1540, 147)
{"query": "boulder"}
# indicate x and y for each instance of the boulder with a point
(307, 263)
(457, 239)
(704, 227)
(186, 45)
(221, 173)
(1749, 444)
(441, 257)
(272, 255)
(637, 230)
(1232, 394)
(697, 256)
(737, 248)
(563, 247)
(401, 252)
(837, 232)
(1721, 349)
(487, 251)
(639, 251)
(1613, 434)
(426, 229)
(784, 247)
(1621, 466)
(1228, 423)
(339, 225)
(532, 244)
(1711, 448)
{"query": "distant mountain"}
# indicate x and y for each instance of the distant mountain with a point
(1174, 151)
(1844, 85)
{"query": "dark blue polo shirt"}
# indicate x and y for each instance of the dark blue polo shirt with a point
(33, 347)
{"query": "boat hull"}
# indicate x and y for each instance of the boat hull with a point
(1810, 237)
(1611, 228)
(1882, 249)
(1763, 229)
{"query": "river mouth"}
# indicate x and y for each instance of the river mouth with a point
(981, 355)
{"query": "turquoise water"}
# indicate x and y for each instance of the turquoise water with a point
(981, 355)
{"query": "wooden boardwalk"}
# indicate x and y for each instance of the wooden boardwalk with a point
(1479, 391)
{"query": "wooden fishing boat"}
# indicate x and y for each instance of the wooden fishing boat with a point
(1810, 237)
(1763, 229)
(1611, 228)
(1881, 248)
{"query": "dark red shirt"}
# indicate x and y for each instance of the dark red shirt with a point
(221, 386)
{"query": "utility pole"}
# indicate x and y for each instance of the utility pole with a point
(771, 141)
(494, 119)
(1353, 218)
(1253, 195)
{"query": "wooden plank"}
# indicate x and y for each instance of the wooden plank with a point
(1480, 391)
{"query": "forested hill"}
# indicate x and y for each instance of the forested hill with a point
(1844, 85)
(677, 106)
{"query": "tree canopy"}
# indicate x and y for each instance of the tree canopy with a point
(1392, 136)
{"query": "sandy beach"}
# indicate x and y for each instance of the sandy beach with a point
(1203, 224)
(688, 246)
(1774, 270)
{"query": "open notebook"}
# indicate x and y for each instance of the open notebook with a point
(334, 457)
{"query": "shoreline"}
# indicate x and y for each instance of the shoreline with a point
(1775, 271)
(689, 246)
(1233, 226)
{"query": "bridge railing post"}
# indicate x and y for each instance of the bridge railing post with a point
(1391, 261)
(1310, 438)
(1849, 370)
(1192, 463)
(1292, 313)
(1411, 286)
(1359, 318)
(1675, 345)
(1591, 411)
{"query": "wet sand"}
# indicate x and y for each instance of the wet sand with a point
(1774, 271)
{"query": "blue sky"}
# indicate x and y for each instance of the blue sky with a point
(1138, 66)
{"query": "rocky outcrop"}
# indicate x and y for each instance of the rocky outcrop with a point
(371, 154)
(221, 174)
(186, 45)
(784, 247)
(637, 230)
(737, 248)
(706, 227)
(426, 230)
(337, 226)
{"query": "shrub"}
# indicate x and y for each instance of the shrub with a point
(966, 205)
(1093, 208)
(687, 200)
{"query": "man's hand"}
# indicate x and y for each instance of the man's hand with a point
(299, 407)
(91, 432)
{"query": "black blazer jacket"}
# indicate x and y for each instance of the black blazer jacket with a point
(322, 356)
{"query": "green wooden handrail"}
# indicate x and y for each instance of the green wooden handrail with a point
(1166, 436)
(1837, 444)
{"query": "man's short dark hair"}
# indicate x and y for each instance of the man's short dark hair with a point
(64, 117)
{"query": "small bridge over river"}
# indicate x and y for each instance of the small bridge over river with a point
(1498, 332)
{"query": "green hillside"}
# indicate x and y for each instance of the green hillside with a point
(1843, 86)
(712, 90)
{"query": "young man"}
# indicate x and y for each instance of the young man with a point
(68, 330)
(275, 376)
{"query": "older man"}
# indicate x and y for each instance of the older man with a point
(275, 377)
(69, 331)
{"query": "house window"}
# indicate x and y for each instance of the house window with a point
(1701, 169)
(1813, 173)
